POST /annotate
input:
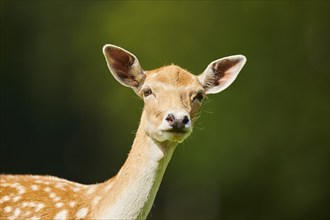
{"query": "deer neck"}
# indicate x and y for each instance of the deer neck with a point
(135, 186)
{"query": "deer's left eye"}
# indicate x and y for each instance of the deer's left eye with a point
(200, 96)
(147, 92)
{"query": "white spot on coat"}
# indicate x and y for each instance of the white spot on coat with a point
(32, 204)
(59, 204)
(21, 190)
(4, 199)
(61, 215)
(76, 189)
(57, 199)
(16, 214)
(39, 207)
(16, 198)
(52, 195)
(91, 190)
(82, 213)
(8, 209)
(34, 187)
(72, 204)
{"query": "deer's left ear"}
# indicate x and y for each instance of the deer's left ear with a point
(221, 73)
(124, 66)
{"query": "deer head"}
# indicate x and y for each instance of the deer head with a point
(172, 95)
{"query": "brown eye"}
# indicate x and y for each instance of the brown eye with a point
(147, 92)
(199, 96)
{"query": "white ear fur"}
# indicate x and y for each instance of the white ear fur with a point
(124, 66)
(221, 73)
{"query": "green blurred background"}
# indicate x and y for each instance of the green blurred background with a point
(260, 149)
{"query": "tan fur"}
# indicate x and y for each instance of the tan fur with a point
(174, 88)
(172, 75)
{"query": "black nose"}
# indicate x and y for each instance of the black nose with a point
(177, 123)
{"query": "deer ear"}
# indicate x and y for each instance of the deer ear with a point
(221, 73)
(124, 66)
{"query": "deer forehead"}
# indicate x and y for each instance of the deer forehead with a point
(172, 77)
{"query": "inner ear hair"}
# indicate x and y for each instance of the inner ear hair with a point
(220, 68)
(220, 73)
(120, 61)
(124, 66)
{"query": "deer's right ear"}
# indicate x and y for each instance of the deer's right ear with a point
(124, 66)
(221, 73)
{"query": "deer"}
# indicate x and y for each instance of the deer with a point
(172, 97)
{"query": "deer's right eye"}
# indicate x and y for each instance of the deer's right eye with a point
(199, 96)
(147, 92)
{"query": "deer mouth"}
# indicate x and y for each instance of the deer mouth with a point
(178, 131)
(172, 134)
(178, 135)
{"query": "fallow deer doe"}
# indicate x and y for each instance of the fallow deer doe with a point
(172, 97)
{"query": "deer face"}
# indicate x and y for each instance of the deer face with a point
(172, 96)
